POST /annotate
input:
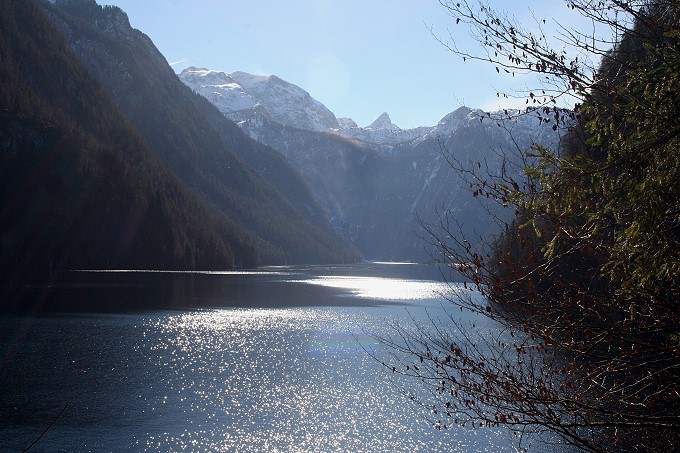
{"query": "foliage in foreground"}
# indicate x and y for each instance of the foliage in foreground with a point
(586, 279)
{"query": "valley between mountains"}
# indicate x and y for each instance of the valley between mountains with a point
(378, 182)
(112, 160)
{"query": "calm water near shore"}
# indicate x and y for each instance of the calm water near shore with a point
(279, 362)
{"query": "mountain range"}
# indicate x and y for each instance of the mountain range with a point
(380, 183)
(108, 159)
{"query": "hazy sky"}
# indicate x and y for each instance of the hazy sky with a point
(359, 57)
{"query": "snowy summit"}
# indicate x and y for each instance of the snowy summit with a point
(255, 102)
(384, 122)
(240, 96)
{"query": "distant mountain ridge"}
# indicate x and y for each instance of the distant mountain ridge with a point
(240, 93)
(376, 181)
(247, 98)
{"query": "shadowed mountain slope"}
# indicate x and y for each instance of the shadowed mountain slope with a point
(102, 173)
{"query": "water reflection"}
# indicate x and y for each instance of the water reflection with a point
(384, 288)
(282, 377)
(290, 380)
(125, 290)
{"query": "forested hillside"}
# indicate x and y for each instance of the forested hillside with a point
(78, 187)
(86, 184)
(244, 181)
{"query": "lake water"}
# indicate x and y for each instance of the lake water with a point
(278, 363)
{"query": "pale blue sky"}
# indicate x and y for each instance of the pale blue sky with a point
(359, 57)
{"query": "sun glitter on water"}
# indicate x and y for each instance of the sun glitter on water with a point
(384, 288)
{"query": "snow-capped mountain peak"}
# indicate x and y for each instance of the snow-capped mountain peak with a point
(346, 123)
(384, 122)
(370, 179)
(219, 88)
(248, 81)
(255, 101)
(208, 76)
(256, 95)
(452, 121)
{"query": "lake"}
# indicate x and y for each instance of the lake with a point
(278, 362)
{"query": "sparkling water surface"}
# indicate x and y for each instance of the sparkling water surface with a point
(229, 379)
